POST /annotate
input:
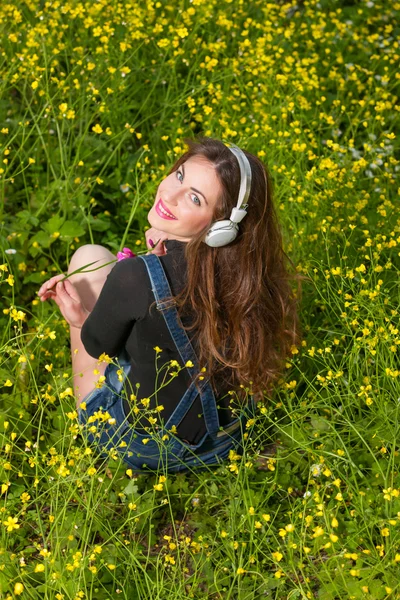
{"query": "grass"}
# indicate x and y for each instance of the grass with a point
(96, 98)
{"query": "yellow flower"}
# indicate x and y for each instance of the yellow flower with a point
(8, 383)
(163, 44)
(100, 382)
(104, 358)
(251, 510)
(334, 522)
(266, 517)
(97, 129)
(277, 556)
(385, 532)
(145, 441)
(10, 281)
(240, 571)
(282, 532)
(158, 486)
(18, 589)
(39, 568)
(11, 523)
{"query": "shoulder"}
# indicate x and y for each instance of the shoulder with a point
(129, 267)
(129, 285)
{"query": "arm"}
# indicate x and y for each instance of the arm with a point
(108, 326)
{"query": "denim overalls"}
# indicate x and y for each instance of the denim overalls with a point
(149, 451)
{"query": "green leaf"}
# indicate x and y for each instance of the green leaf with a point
(293, 435)
(42, 238)
(26, 217)
(131, 488)
(4, 587)
(71, 229)
(98, 224)
(34, 278)
(54, 224)
(320, 423)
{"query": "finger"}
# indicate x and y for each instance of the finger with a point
(62, 293)
(71, 290)
(50, 283)
(47, 295)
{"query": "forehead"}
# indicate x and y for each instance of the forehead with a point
(201, 174)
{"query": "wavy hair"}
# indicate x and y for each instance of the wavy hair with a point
(243, 309)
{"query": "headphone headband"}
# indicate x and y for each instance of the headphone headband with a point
(245, 176)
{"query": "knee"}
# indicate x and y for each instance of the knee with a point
(88, 253)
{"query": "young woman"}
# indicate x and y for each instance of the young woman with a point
(175, 395)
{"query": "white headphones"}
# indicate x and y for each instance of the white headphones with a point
(224, 232)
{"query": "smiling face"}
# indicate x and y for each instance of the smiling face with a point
(190, 195)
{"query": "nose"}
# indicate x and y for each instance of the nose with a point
(170, 198)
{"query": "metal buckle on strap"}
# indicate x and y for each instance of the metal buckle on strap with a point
(166, 304)
(228, 429)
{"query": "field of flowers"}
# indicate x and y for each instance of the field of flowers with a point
(96, 98)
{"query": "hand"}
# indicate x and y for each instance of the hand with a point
(155, 235)
(66, 296)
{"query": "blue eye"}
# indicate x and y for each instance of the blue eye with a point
(179, 173)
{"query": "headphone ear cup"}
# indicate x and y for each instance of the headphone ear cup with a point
(221, 233)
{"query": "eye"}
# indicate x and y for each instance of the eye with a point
(194, 196)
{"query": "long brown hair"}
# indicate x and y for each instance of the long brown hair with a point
(245, 313)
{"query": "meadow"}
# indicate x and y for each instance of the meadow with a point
(96, 98)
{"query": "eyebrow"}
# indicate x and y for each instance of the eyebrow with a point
(192, 188)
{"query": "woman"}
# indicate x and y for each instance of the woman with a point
(219, 272)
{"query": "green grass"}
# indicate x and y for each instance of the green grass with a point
(95, 100)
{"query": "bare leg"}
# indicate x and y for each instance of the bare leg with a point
(89, 286)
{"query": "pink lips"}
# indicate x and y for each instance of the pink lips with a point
(158, 211)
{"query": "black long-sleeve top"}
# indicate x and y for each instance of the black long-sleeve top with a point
(121, 320)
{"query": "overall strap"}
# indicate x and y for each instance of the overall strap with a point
(161, 290)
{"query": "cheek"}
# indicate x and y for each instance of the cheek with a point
(204, 221)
